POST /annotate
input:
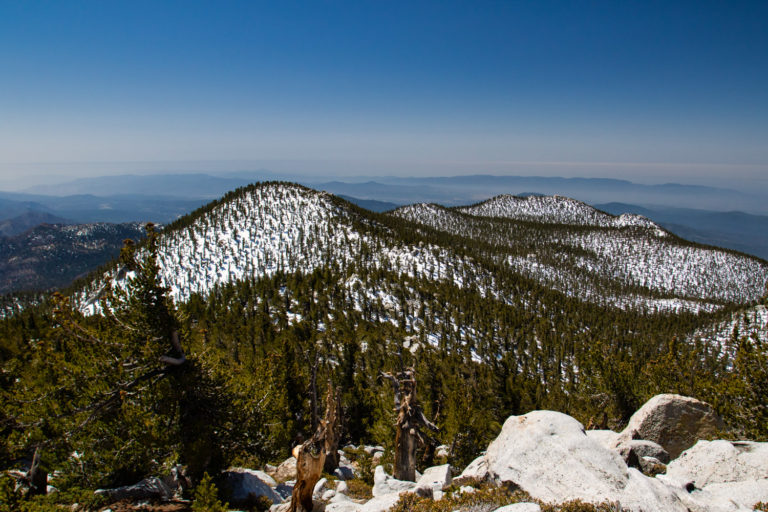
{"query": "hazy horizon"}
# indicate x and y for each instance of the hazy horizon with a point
(646, 92)
(23, 177)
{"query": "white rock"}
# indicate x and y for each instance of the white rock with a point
(549, 455)
(380, 503)
(342, 487)
(734, 472)
(320, 487)
(384, 484)
(348, 506)
(675, 422)
(264, 477)
(442, 451)
(477, 471)
(520, 507)
(607, 438)
(342, 498)
(286, 470)
(328, 495)
(643, 448)
(245, 484)
(434, 479)
(710, 462)
(647, 494)
(376, 504)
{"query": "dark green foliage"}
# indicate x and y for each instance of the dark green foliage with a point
(10, 500)
(487, 499)
(101, 400)
(207, 497)
(360, 489)
(745, 390)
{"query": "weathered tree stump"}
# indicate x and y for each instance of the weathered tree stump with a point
(311, 454)
(410, 422)
(310, 457)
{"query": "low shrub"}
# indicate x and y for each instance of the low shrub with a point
(359, 489)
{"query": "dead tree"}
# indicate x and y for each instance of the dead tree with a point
(410, 424)
(311, 455)
(333, 429)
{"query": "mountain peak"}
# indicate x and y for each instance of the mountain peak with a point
(555, 209)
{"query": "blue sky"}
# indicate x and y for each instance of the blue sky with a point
(651, 91)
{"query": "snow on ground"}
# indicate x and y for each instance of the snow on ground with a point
(556, 210)
(279, 227)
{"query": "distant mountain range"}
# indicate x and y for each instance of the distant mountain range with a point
(152, 185)
(27, 221)
(449, 191)
(703, 214)
(53, 255)
(86, 208)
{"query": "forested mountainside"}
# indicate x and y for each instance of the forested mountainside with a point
(278, 289)
(53, 255)
(555, 210)
(627, 261)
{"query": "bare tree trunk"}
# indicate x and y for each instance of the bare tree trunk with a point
(410, 420)
(333, 429)
(311, 455)
(405, 453)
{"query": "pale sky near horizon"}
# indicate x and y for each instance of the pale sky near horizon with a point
(645, 91)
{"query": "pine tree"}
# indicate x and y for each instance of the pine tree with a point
(206, 497)
(105, 397)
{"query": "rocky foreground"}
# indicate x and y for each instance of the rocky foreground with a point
(662, 461)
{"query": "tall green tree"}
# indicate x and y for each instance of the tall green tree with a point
(112, 397)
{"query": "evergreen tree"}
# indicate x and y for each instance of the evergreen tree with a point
(112, 397)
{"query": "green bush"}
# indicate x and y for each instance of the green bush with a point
(487, 499)
(359, 489)
(207, 497)
(10, 501)
(482, 500)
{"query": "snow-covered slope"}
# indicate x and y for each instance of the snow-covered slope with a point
(556, 210)
(601, 261)
(748, 322)
(267, 228)
(282, 227)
